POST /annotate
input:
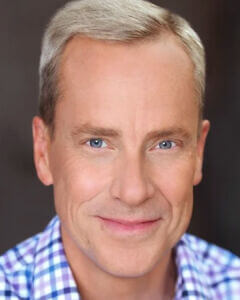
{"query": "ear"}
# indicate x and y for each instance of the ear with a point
(41, 145)
(203, 132)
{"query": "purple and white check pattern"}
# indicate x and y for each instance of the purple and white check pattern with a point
(37, 269)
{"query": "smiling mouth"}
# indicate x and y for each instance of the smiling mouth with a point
(126, 226)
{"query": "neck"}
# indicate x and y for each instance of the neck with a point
(94, 283)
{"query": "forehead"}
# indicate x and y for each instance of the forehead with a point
(88, 55)
(144, 80)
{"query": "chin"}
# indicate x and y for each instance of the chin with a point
(130, 264)
(127, 271)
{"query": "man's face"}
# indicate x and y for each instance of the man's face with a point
(125, 153)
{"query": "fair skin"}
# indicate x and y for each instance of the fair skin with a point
(126, 152)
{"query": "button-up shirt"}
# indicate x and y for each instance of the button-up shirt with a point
(38, 269)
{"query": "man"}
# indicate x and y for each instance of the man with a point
(121, 137)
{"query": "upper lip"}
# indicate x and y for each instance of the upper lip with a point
(129, 222)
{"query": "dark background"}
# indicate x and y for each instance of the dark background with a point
(26, 206)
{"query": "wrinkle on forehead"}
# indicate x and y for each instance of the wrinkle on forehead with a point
(90, 55)
(139, 87)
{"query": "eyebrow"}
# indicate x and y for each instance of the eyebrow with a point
(108, 132)
(170, 132)
(95, 131)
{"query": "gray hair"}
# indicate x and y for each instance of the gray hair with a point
(112, 20)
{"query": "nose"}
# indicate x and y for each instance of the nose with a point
(132, 183)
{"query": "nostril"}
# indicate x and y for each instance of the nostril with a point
(131, 182)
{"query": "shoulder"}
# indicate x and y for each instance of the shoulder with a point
(17, 267)
(214, 259)
(215, 270)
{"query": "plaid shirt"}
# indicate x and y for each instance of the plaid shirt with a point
(38, 269)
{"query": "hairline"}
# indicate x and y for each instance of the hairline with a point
(151, 38)
(152, 24)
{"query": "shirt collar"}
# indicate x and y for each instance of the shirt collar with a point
(52, 275)
(192, 282)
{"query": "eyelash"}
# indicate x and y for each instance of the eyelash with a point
(169, 144)
(88, 142)
(173, 144)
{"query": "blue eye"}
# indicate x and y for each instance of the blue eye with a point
(96, 143)
(166, 145)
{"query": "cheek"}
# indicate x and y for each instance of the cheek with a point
(175, 183)
(174, 179)
(77, 181)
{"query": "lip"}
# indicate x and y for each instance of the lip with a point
(119, 226)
